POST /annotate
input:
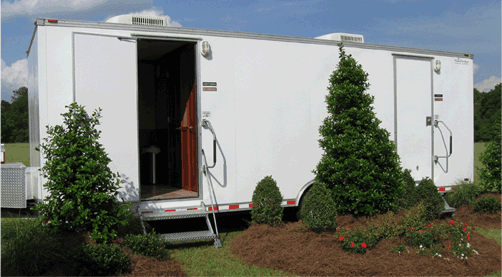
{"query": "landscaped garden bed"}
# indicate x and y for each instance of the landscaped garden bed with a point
(289, 249)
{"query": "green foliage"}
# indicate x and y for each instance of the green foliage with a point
(357, 241)
(408, 197)
(491, 174)
(388, 227)
(487, 115)
(149, 245)
(463, 194)
(29, 250)
(99, 260)
(318, 211)
(487, 204)
(80, 184)
(415, 216)
(267, 200)
(423, 238)
(15, 117)
(434, 202)
(359, 164)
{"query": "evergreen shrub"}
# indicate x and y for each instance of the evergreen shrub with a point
(99, 260)
(359, 165)
(267, 200)
(433, 200)
(409, 195)
(81, 187)
(487, 204)
(149, 245)
(318, 210)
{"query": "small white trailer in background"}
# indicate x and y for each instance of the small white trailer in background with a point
(193, 119)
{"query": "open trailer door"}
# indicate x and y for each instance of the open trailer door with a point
(105, 77)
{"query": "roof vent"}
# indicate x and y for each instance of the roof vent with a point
(343, 37)
(135, 19)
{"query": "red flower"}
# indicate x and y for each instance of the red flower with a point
(468, 238)
(363, 245)
(412, 228)
(451, 221)
(420, 230)
(465, 229)
(448, 248)
(352, 245)
(435, 237)
(428, 225)
(348, 227)
(44, 222)
(406, 228)
(375, 225)
(340, 238)
(436, 219)
(337, 232)
(473, 228)
(466, 224)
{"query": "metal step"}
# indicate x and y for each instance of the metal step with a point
(189, 236)
(169, 214)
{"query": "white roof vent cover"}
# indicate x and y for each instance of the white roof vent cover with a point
(135, 19)
(343, 37)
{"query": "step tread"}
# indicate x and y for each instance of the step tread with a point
(162, 214)
(187, 236)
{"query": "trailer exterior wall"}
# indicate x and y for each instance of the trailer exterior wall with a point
(267, 107)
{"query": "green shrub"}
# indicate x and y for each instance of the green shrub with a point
(267, 200)
(434, 202)
(318, 210)
(357, 241)
(359, 164)
(464, 193)
(408, 196)
(487, 204)
(388, 227)
(99, 260)
(491, 175)
(29, 250)
(132, 226)
(149, 245)
(80, 184)
(415, 217)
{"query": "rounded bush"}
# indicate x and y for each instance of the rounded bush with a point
(318, 210)
(415, 217)
(434, 203)
(267, 200)
(99, 260)
(487, 204)
(149, 245)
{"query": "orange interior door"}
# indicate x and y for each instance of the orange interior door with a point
(189, 145)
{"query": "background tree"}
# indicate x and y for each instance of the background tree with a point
(359, 165)
(487, 115)
(15, 127)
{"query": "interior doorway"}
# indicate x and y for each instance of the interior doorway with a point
(167, 123)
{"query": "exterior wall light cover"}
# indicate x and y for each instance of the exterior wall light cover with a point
(206, 48)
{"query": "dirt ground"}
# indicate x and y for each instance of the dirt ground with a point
(306, 253)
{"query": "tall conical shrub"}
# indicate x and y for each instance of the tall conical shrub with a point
(359, 164)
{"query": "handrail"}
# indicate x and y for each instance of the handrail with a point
(207, 124)
(436, 158)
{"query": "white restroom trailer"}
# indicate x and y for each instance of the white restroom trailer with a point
(193, 119)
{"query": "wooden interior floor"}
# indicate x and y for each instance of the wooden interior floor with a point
(162, 191)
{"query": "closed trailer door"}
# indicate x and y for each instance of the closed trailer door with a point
(413, 85)
(105, 77)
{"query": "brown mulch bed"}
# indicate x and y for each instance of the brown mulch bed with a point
(288, 249)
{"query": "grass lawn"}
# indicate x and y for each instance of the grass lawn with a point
(17, 152)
